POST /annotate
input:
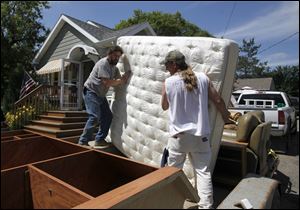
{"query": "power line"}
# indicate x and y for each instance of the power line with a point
(278, 42)
(233, 7)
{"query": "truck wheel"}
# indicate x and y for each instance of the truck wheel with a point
(294, 128)
(288, 136)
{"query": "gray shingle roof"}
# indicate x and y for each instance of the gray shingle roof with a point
(255, 83)
(93, 30)
(123, 31)
(100, 25)
(102, 32)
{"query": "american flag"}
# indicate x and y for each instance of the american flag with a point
(27, 85)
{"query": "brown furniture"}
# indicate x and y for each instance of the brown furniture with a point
(18, 149)
(42, 172)
(95, 179)
(244, 150)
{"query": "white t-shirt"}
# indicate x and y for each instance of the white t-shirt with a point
(188, 109)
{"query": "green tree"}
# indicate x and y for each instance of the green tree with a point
(21, 36)
(249, 65)
(286, 79)
(164, 24)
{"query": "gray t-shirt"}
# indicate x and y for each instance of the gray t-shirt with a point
(101, 69)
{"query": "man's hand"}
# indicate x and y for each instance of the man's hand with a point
(125, 77)
(116, 82)
(226, 117)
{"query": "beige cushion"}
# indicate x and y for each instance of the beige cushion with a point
(260, 115)
(258, 144)
(246, 124)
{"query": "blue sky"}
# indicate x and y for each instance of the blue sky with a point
(269, 22)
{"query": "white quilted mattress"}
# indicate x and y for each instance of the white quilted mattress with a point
(140, 126)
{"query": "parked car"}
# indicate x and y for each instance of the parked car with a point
(277, 108)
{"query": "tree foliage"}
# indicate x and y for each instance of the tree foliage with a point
(249, 65)
(286, 79)
(164, 24)
(21, 36)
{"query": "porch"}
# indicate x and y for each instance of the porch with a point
(41, 111)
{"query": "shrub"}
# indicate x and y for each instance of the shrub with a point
(22, 115)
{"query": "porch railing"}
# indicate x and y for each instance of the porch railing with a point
(39, 100)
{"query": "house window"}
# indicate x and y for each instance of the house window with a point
(44, 79)
(55, 81)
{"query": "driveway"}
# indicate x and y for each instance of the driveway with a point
(288, 170)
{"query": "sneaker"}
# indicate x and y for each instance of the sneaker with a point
(101, 144)
(85, 144)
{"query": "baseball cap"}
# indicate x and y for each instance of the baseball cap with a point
(174, 55)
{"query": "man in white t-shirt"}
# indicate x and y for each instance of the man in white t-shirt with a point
(186, 93)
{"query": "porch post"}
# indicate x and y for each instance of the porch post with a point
(62, 84)
(80, 86)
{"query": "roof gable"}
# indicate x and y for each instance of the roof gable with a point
(93, 31)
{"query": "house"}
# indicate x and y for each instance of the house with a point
(69, 53)
(255, 83)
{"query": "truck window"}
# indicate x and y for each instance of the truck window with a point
(236, 95)
(276, 97)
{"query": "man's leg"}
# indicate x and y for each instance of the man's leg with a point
(176, 156)
(105, 119)
(200, 162)
(92, 107)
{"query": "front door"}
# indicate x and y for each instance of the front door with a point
(71, 88)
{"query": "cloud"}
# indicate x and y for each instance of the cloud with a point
(280, 59)
(275, 25)
(195, 4)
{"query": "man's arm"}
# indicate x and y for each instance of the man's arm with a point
(164, 100)
(116, 82)
(218, 101)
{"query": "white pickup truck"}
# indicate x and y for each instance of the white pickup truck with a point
(276, 106)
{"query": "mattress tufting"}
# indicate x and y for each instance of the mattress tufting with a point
(140, 126)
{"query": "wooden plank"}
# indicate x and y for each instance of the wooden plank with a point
(63, 119)
(96, 172)
(21, 152)
(67, 113)
(19, 137)
(16, 138)
(163, 188)
(12, 133)
(27, 135)
(54, 132)
(8, 138)
(59, 125)
(15, 189)
(49, 192)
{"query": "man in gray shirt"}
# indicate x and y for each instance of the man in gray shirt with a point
(104, 75)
